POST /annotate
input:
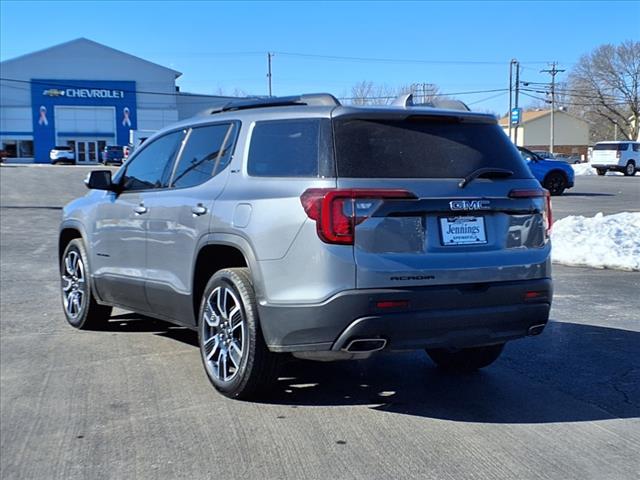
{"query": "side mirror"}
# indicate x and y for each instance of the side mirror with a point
(100, 180)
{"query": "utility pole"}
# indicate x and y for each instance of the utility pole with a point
(269, 56)
(517, 64)
(553, 71)
(510, 96)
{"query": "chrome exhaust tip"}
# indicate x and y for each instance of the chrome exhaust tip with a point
(536, 329)
(365, 345)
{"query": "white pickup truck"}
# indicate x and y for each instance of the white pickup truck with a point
(616, 156)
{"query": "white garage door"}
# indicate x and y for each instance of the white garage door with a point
(85, 120)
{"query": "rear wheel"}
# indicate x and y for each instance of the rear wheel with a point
(601, 171)
(630, 169)
(465, 359)
(80, 306)
(233, 351)
(555, 182)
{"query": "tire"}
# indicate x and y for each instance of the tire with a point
(465, 359)
(78, 302)
(555, 182)
(234, 354)
(601, 172)
(630, 169)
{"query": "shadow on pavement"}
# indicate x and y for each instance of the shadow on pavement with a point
(586, 194)
(570, 373)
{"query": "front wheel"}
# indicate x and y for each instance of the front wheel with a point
(630, 169)
(465, 359)
(555, 182)
(232, 347)
(601, 171)
(79, 304)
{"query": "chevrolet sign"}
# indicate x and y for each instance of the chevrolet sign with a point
(84, 93)
(53, 92)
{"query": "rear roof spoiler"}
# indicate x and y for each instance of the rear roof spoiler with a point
(406, 100)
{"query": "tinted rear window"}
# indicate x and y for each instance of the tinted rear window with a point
(421, 148)
(611, 146)
(291, 148)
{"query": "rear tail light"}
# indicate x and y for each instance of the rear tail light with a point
(547, 214)
(337, 211)
(618, 154)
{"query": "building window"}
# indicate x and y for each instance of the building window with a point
(17, 148)
(10, 148)
(25, 147)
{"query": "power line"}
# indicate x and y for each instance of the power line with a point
(176, 94)
(446, 94)
(572, 104)
(487, 98)
(399, 60)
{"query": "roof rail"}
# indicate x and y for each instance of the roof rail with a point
(310, 99)
(406, 100)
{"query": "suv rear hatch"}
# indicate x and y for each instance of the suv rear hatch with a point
(433, 199)
(607, 153)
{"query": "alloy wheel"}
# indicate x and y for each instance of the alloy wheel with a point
(631, 169)
(73, 284)
(223, 334)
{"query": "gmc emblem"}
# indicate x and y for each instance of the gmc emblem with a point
(470, 205)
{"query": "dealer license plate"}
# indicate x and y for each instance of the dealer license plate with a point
(462, 230)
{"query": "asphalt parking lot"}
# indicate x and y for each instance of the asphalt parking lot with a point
(134, 402)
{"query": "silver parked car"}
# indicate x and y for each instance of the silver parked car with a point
(298, 225)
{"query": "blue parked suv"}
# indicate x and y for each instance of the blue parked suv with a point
(554, 175)
(113, 154)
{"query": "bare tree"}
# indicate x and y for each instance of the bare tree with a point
(362, 93)
(604, 86)
(236, 92)
(369, 93)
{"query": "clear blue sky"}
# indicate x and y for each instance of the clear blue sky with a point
(223, 45)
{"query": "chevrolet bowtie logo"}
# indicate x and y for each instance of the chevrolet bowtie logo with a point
(53, 92)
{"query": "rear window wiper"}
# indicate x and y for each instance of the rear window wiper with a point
(486, 172)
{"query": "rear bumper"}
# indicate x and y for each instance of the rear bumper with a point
(613, 167)
(440, 316)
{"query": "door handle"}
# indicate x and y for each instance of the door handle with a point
(140, 209)
(199, 210)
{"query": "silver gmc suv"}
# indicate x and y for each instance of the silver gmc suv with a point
(298, 225)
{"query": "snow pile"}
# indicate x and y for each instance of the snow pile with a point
(583, 169)
(587, 169)
(611, 241)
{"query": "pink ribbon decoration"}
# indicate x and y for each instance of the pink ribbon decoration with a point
(43, 116)
(125, 119)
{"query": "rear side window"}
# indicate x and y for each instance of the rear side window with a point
(151, 168)
(421, 147)
(291, 148)
(207, 152)
(616, 147)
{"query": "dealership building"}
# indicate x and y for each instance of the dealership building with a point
(86, 95)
